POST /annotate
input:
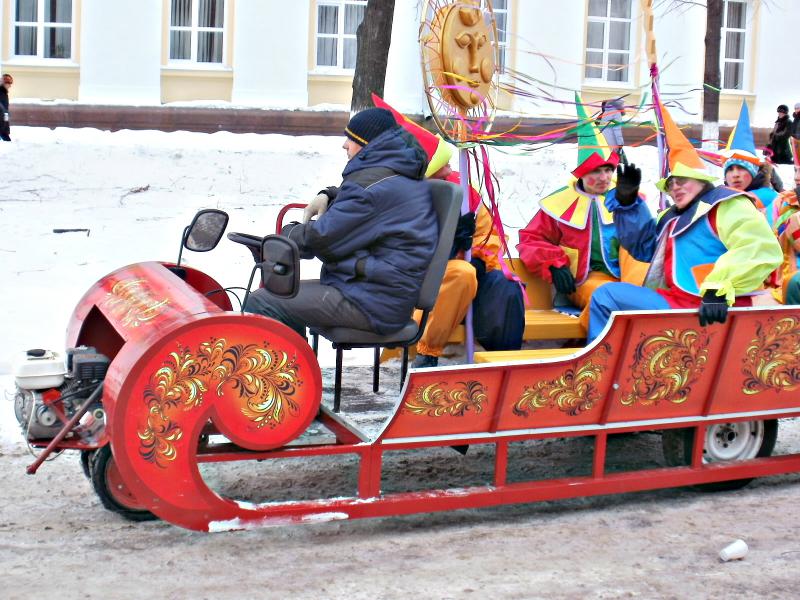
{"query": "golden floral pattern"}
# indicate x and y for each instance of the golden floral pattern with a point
(267, 379)
(573, 392)
(132, 302)
(434, 400)
(666, 365)
(772, 359)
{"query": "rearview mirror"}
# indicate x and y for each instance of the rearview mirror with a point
(280, 266)
(205, 230)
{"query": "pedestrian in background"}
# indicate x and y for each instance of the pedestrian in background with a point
(779, 137)
(5, 124)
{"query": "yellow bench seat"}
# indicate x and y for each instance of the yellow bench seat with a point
(539, 325)
(512, 355)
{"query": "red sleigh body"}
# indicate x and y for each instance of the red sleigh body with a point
(184, 366)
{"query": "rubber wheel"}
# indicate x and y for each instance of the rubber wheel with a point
(111, 490)
(86, 463)
(742, 440)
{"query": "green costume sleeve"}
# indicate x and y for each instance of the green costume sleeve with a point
(753, 251)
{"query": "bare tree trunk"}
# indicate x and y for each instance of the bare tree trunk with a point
(712, 76)
(373, 38)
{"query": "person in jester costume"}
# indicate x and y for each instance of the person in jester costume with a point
(710, 250)
(572, 241)
(744, 170)
(497, 303)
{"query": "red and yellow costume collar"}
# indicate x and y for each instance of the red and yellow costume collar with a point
(570, 206)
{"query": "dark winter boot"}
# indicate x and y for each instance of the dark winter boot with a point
(425, 361)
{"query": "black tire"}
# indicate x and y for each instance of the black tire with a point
(86, 463)
(677, 447)
(114, 498)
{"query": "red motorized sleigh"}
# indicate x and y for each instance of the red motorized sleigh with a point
(163, 375)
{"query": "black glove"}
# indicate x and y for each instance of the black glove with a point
(464, 232)
(480, 268)
(713, 308)
(563, 280)
(628, 180)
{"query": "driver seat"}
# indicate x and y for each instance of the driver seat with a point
(446, 199)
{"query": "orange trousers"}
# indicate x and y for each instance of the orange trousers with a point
(456, 293)
(631, 271)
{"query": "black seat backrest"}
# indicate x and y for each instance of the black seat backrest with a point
(446, 198)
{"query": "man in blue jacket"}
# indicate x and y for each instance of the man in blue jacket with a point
(375, 235)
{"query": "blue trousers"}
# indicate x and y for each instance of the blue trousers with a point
(793, 290)
(620, 296)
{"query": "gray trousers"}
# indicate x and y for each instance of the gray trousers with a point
(315, 305)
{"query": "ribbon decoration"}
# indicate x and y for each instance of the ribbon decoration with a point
(648, 21)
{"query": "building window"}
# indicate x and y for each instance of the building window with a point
(608, 41)
(197, 31)
(500, 9)
(43, 28)
(734, 25)
(337, 22)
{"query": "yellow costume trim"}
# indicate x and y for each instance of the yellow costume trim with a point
(559, 203)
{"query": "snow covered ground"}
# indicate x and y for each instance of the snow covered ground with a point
(134, 191)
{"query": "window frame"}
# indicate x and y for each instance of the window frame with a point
(40, 25)
(504, 46)
(194, 30)
(339, 36)
(603, 80)
(723, 60)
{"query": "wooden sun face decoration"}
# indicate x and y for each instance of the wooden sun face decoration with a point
(459, 48)
(467, 55)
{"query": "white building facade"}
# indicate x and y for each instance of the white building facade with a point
(298, 54)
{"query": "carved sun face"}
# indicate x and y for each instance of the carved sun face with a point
(467, 55)
(459, 47)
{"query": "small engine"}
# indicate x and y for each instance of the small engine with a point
(50, 389)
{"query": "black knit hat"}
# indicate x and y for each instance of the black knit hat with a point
(783, 108)
(369, 124)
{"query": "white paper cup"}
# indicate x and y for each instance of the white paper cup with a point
(733, 551)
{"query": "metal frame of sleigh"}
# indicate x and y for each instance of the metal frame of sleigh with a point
(163, 376)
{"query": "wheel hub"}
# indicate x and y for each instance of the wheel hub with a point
(733, 441)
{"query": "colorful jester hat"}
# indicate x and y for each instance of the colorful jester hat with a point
(684, 161)
(741, 148)
(593, 150)
(439, 152)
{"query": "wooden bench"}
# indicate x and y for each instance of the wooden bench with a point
(512, 355)
(541, 321)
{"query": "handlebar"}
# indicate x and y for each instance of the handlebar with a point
(282, 213)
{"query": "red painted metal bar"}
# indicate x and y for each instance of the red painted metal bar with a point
(229, 454)
(612, 390)
(697, 445)
(369, 482)
(599, 456)
(501, 395)
(282, 214)
(500, 463)
(343, 434)
(65, 430)
(729, 331)
(607, 429)
(553, 489)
